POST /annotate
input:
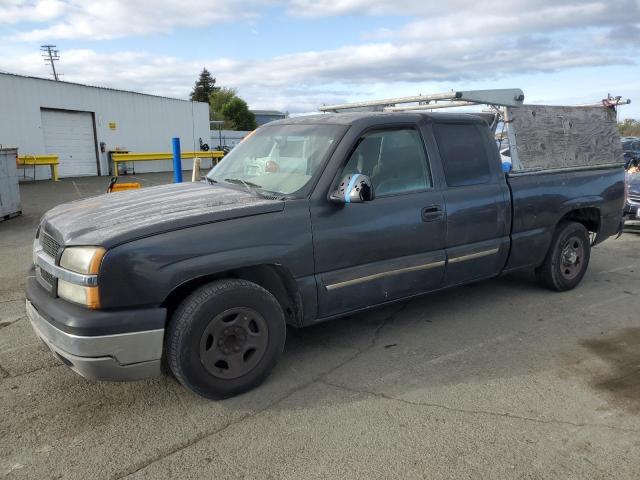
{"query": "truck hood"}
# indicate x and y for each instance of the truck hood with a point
(114, 218)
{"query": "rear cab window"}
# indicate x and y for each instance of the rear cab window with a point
(465, 159)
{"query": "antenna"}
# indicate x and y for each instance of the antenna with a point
(51, 56)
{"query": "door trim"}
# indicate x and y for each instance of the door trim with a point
(387, 273)
(471, 256)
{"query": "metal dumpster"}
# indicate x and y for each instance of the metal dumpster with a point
(9, 190)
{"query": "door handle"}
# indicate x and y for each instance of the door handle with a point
(431, 213)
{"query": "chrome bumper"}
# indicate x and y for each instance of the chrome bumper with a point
(121, 357)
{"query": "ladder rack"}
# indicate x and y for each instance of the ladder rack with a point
(536, 125)
(506, 97)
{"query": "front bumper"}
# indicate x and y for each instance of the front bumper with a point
(631, 218)
(116, 357)
(631, 210)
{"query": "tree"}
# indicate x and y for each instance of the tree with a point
(629, 128)
(237, 113)
(204, 87)
(217, 101)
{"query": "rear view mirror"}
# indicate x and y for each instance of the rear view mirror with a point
(355, 188)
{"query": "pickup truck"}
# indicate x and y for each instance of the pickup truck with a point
(201, 279)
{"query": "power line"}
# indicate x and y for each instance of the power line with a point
(51, 56)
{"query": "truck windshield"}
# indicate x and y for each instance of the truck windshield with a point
(281, 159)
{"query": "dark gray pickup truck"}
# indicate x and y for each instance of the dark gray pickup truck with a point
(308, 219)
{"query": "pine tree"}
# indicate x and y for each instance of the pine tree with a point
(204, 87)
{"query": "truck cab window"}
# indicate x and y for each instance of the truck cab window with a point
(394, 159)
(464, 156)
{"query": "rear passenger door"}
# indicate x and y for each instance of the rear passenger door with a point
(477, 202)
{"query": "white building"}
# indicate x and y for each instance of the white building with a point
(81, 124)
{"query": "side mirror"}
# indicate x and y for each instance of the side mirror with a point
(355, 188)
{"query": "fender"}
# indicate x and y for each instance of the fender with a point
(146, 271)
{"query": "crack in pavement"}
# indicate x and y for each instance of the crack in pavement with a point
(45, 367)
(476, 412)
(11, 322)
(12, 300)
(174, 386)
(204, 435)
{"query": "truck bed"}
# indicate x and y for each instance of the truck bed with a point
(541, 199)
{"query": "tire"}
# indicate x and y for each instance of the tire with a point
(225, 338)
(567, 259)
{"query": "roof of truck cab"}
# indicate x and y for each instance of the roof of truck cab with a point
(349, 118)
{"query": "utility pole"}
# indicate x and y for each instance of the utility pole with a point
(50, 57)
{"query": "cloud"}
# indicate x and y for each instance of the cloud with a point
(326, 8)
(452, 42)
(109, 19)
(15, 11)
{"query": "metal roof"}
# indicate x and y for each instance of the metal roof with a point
(9, 74)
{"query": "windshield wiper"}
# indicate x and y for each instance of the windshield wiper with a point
(247, 185)
(211, 181)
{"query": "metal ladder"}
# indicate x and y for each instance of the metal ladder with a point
(499, 102)
(506, 97)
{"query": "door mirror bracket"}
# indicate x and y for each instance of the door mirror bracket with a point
(354, 188)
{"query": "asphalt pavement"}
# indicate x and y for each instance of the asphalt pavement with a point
(498, 379)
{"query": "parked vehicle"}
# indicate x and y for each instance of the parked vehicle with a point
(632, 203)
(204, 277)
(631, 149)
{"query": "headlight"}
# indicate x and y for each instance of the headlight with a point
(87, 296)
(84, 260)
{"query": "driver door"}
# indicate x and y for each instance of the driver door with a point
(389, 248)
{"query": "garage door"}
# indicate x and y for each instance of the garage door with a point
(70, 136)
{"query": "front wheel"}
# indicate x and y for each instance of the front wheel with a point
(568, 257)
(225, 338)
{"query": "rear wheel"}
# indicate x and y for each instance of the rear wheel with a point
(225, 338)
(568, 258)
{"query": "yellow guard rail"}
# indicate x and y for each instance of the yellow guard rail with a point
(40, 160)
(145, 157)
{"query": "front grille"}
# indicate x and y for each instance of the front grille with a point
(47, 280)
(47, 277)
(49, 245)
(634, 198)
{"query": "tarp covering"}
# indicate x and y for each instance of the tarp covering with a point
(552, 137)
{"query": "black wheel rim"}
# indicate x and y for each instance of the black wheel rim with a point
(233, 343)
(572, 257)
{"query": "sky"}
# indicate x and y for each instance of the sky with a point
(296, 55)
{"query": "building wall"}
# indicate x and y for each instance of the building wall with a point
(143, 123)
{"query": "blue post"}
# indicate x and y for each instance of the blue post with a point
(177, 161)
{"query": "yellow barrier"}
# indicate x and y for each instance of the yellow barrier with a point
(40, 160)
(118, 187)
(145, 157)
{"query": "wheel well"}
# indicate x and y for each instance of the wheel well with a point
(273, 278)
(589, 217)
